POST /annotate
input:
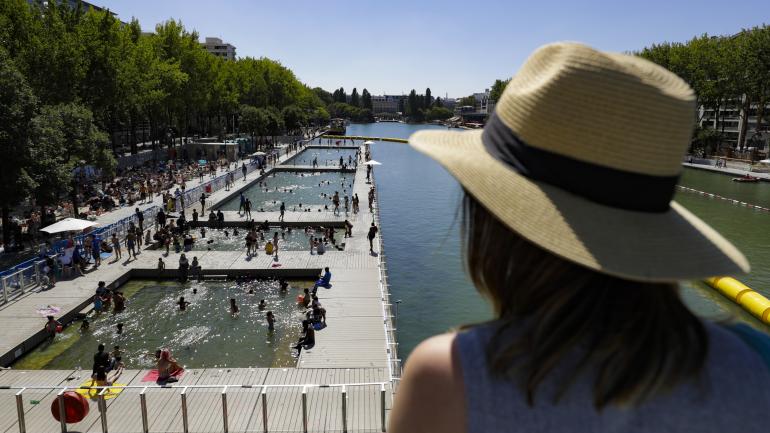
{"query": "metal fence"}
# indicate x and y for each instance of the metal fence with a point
(390, 320)
(28, 274)
(263, 391)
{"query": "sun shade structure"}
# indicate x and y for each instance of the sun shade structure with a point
(372, 162)
(368, 142)
(69, 225)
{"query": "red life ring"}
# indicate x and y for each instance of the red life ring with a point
(75, 407)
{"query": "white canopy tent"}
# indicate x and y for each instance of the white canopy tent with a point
(68, 225)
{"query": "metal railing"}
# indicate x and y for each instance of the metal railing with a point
(28, 274)
(391, 342)
(262, 390)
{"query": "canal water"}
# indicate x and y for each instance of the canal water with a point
(420, 225)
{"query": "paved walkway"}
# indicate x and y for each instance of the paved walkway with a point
(728, 171)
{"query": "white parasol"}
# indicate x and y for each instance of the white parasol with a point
(68, 225)
(368, 142)
(372, 162)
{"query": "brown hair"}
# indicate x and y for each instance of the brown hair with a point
(638, 336)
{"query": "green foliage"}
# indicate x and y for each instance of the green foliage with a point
(366, 100)
(468, 101)
(497, 89)
(722, 70)
(354, 98)
(293, 117)
(64, 138)
(347, 111)
(437, 113)
(17, 106)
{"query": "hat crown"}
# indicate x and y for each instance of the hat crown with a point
(614, 110)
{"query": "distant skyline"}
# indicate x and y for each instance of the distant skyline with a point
(454, 47)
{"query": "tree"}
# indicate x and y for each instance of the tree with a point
(468, 101)
(66, 139)
(354, 98)
(17, 106)
(438, 103)
(252, 121)
(366, 100)
(428, 99)
(413, 107)
(497, 89)
(437, 113)
(293, 118)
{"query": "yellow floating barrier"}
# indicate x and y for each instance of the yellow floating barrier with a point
(748, 299)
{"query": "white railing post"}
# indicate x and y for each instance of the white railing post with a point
(304, 409)
(62, 411)
(20, 411)
(264, 409)
(344, 410)
(103, 410)
(21, 281)
(185, 427)
(224, 409)
(143, 405)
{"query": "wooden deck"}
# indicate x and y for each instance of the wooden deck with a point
(353, 347)
(204, 404)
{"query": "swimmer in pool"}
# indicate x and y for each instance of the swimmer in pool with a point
(262, 304)
(119, 329)
(251, 291)
(182, 303)
(233, 307)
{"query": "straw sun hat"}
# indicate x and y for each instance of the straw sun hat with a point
(582, 157)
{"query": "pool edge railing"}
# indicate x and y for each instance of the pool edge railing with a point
(262, 391)
(391, 343)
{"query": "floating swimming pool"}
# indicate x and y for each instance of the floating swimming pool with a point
(326, 157)
(289, 239)
(300, 192)
(205, 335)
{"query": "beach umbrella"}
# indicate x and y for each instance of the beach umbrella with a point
(368, 142)
(765, 161)
(68, 225)
(372, 162)
(258, 154)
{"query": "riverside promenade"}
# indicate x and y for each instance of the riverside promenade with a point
(344, 382)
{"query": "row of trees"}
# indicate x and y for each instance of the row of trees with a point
(423, 107)
(76, 83)
(726, 72)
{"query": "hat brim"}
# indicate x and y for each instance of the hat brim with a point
(671, 246)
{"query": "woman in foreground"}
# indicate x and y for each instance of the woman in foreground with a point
(571, 233)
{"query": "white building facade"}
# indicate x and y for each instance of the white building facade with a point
(219, 48)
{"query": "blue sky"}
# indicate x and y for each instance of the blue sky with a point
(454, 47)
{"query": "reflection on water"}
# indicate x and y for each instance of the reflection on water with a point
(299, 191)
(205, 335)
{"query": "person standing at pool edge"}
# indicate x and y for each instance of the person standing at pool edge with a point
(589, 333)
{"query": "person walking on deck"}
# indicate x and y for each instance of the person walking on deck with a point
(283, 210)
(243, 170)
(371, 235)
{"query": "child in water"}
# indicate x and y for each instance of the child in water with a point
(233, 307)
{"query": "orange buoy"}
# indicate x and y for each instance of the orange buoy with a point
(75, 407)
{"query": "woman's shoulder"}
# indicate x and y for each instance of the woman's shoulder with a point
(432, 383)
